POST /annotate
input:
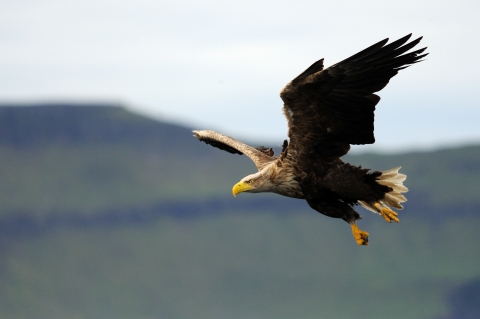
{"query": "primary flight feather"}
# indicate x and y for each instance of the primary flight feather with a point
(327, 110)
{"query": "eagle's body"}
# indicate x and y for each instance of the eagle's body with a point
(327, 110)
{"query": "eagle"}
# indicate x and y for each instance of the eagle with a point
(327, 110)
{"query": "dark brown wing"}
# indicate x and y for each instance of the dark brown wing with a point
(261, 156)
(327, 110)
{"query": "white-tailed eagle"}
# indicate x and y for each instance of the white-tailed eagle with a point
(328, 110)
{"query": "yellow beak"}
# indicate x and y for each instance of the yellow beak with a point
(240, 187)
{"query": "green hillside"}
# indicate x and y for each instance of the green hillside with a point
(85, 233)
(88, 158)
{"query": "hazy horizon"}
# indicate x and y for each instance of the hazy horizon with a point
(221, 66)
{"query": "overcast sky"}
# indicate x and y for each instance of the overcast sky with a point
(221, 64)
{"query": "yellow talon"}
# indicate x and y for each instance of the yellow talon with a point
(360, 236)
(387, 213)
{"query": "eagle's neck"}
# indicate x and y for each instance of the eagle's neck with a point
(280, 179)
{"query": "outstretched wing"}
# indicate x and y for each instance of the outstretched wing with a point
(260, 156)
(327, 110)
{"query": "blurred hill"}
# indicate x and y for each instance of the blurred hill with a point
(65, 159)
(105, 213)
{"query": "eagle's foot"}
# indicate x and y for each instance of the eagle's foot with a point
(387, 213)
(360, 236)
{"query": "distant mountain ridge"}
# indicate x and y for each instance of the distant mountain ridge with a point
(97, 158)
(40, 124)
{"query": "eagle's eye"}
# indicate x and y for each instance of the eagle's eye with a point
(249, 181)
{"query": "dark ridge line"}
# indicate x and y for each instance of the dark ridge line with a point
(43, 124)
(24, 225)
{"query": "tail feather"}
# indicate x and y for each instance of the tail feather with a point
(393, 179)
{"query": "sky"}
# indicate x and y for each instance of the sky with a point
(221, 64)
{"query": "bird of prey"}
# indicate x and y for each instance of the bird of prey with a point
(327, 110)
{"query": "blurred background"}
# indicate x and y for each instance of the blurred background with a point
(109, 208)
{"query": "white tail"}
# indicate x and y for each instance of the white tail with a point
(393, 179)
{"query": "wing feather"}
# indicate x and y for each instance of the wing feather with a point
(258, 155)
(329, 109)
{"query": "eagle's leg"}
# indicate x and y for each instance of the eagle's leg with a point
(337, 209)
(360, 236)
(386, 213)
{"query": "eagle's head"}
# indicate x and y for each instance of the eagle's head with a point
(255, 183)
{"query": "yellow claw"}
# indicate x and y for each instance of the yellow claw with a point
(387, 213)
(361, 237)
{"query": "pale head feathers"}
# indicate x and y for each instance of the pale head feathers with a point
(274, 179)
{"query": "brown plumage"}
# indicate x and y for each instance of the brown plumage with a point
(327, 110)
